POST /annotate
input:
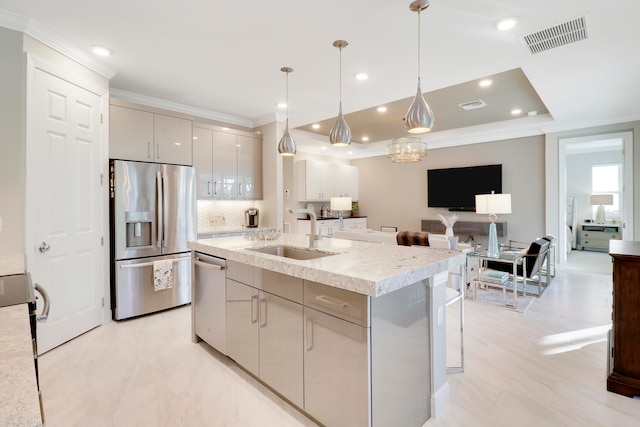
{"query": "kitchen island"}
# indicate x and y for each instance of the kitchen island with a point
(363, 325)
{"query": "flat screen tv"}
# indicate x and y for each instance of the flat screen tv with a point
(456, 188)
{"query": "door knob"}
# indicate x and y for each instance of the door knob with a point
(43, 247)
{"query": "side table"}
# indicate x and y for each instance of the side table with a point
(512, 257)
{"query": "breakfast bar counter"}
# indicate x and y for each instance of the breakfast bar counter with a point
(367, 268)
(351, 333)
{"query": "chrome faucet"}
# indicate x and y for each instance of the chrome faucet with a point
(312, 235)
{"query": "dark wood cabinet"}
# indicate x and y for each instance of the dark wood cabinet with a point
(464, 228)
(625, 374)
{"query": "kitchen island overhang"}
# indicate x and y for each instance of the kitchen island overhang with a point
(405, 286)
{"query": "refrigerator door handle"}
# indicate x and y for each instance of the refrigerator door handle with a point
(165, 224)
(159, 210)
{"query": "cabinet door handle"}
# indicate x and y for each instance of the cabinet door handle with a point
(308, 334)
(263, 312)
(215, 188)
(239, 188)
(332, 301)
(149, 150)
(254, 308)
(158, 150)
(209, 187)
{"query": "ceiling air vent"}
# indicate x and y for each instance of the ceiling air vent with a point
(556, 36)
(473, 105)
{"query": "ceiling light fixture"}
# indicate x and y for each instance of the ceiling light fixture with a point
(406, 149)
(419, 117)
(101, 50)
(382, 109)
(506, 23)
(365, 138)
(282, 105)
(287, 146)
(485, 82)
(362, 76)
(315, 126)
(340, 135)
(516, 111)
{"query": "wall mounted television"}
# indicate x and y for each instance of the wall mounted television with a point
(456, 188)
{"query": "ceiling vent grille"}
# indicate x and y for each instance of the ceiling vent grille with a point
(473, 105)
(556, 36)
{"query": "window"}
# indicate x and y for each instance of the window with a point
(606, 179)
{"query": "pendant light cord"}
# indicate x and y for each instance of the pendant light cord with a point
(341, 76)
(419, 37)
(287, 96)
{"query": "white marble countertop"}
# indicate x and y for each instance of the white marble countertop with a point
(367, 268)
(226, 229)
(18, 389)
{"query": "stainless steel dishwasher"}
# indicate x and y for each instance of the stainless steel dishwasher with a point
(208, 307)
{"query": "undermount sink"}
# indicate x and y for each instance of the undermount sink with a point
(293, 253)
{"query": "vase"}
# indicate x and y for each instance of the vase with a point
(449, 232)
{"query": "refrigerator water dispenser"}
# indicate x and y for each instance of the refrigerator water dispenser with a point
(139, 226)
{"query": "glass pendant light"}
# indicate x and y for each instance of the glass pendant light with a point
(340, 135)
(419, 117)
(406, 149)
(286, 146)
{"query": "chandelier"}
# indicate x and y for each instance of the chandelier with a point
(406, 149)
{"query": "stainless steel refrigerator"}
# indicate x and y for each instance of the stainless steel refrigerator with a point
(153, 215)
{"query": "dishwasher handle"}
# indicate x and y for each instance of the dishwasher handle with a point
(197, 261)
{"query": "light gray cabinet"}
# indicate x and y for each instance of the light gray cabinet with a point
(242, 325)
(336, 357)
(264, 328)
(228, 163)
(138, 134)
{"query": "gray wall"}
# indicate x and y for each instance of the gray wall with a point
(12, 148)
(396, 194)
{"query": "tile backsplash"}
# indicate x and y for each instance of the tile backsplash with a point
(224, 212)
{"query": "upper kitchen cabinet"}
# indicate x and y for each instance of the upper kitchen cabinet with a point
(319, 181)
(138, 133)
(313, 180)
(228, 163)
(346, 181)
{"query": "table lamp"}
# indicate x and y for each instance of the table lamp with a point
(340, 204)
(600, 200)
(493, 204)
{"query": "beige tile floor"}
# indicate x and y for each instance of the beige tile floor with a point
(546, 367)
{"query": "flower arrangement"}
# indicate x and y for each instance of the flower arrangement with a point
(448, 223)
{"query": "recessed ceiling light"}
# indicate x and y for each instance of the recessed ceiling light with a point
(532, 113)
(485, 82)
(365, 138)
(349, 152)
(315, 126)
(195, 137)
(516, 111)
(362, 76)
(282, 105)
(101, 50)
(382, 109)
(225, 128)
(324, 147)
(506, 23)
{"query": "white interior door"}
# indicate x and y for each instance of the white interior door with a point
(65, 205)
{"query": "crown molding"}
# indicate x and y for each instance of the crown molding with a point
(181, 108)
(35, 30)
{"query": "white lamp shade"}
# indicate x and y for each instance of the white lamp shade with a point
(601, 199)
(493, 203)
(341, 203)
